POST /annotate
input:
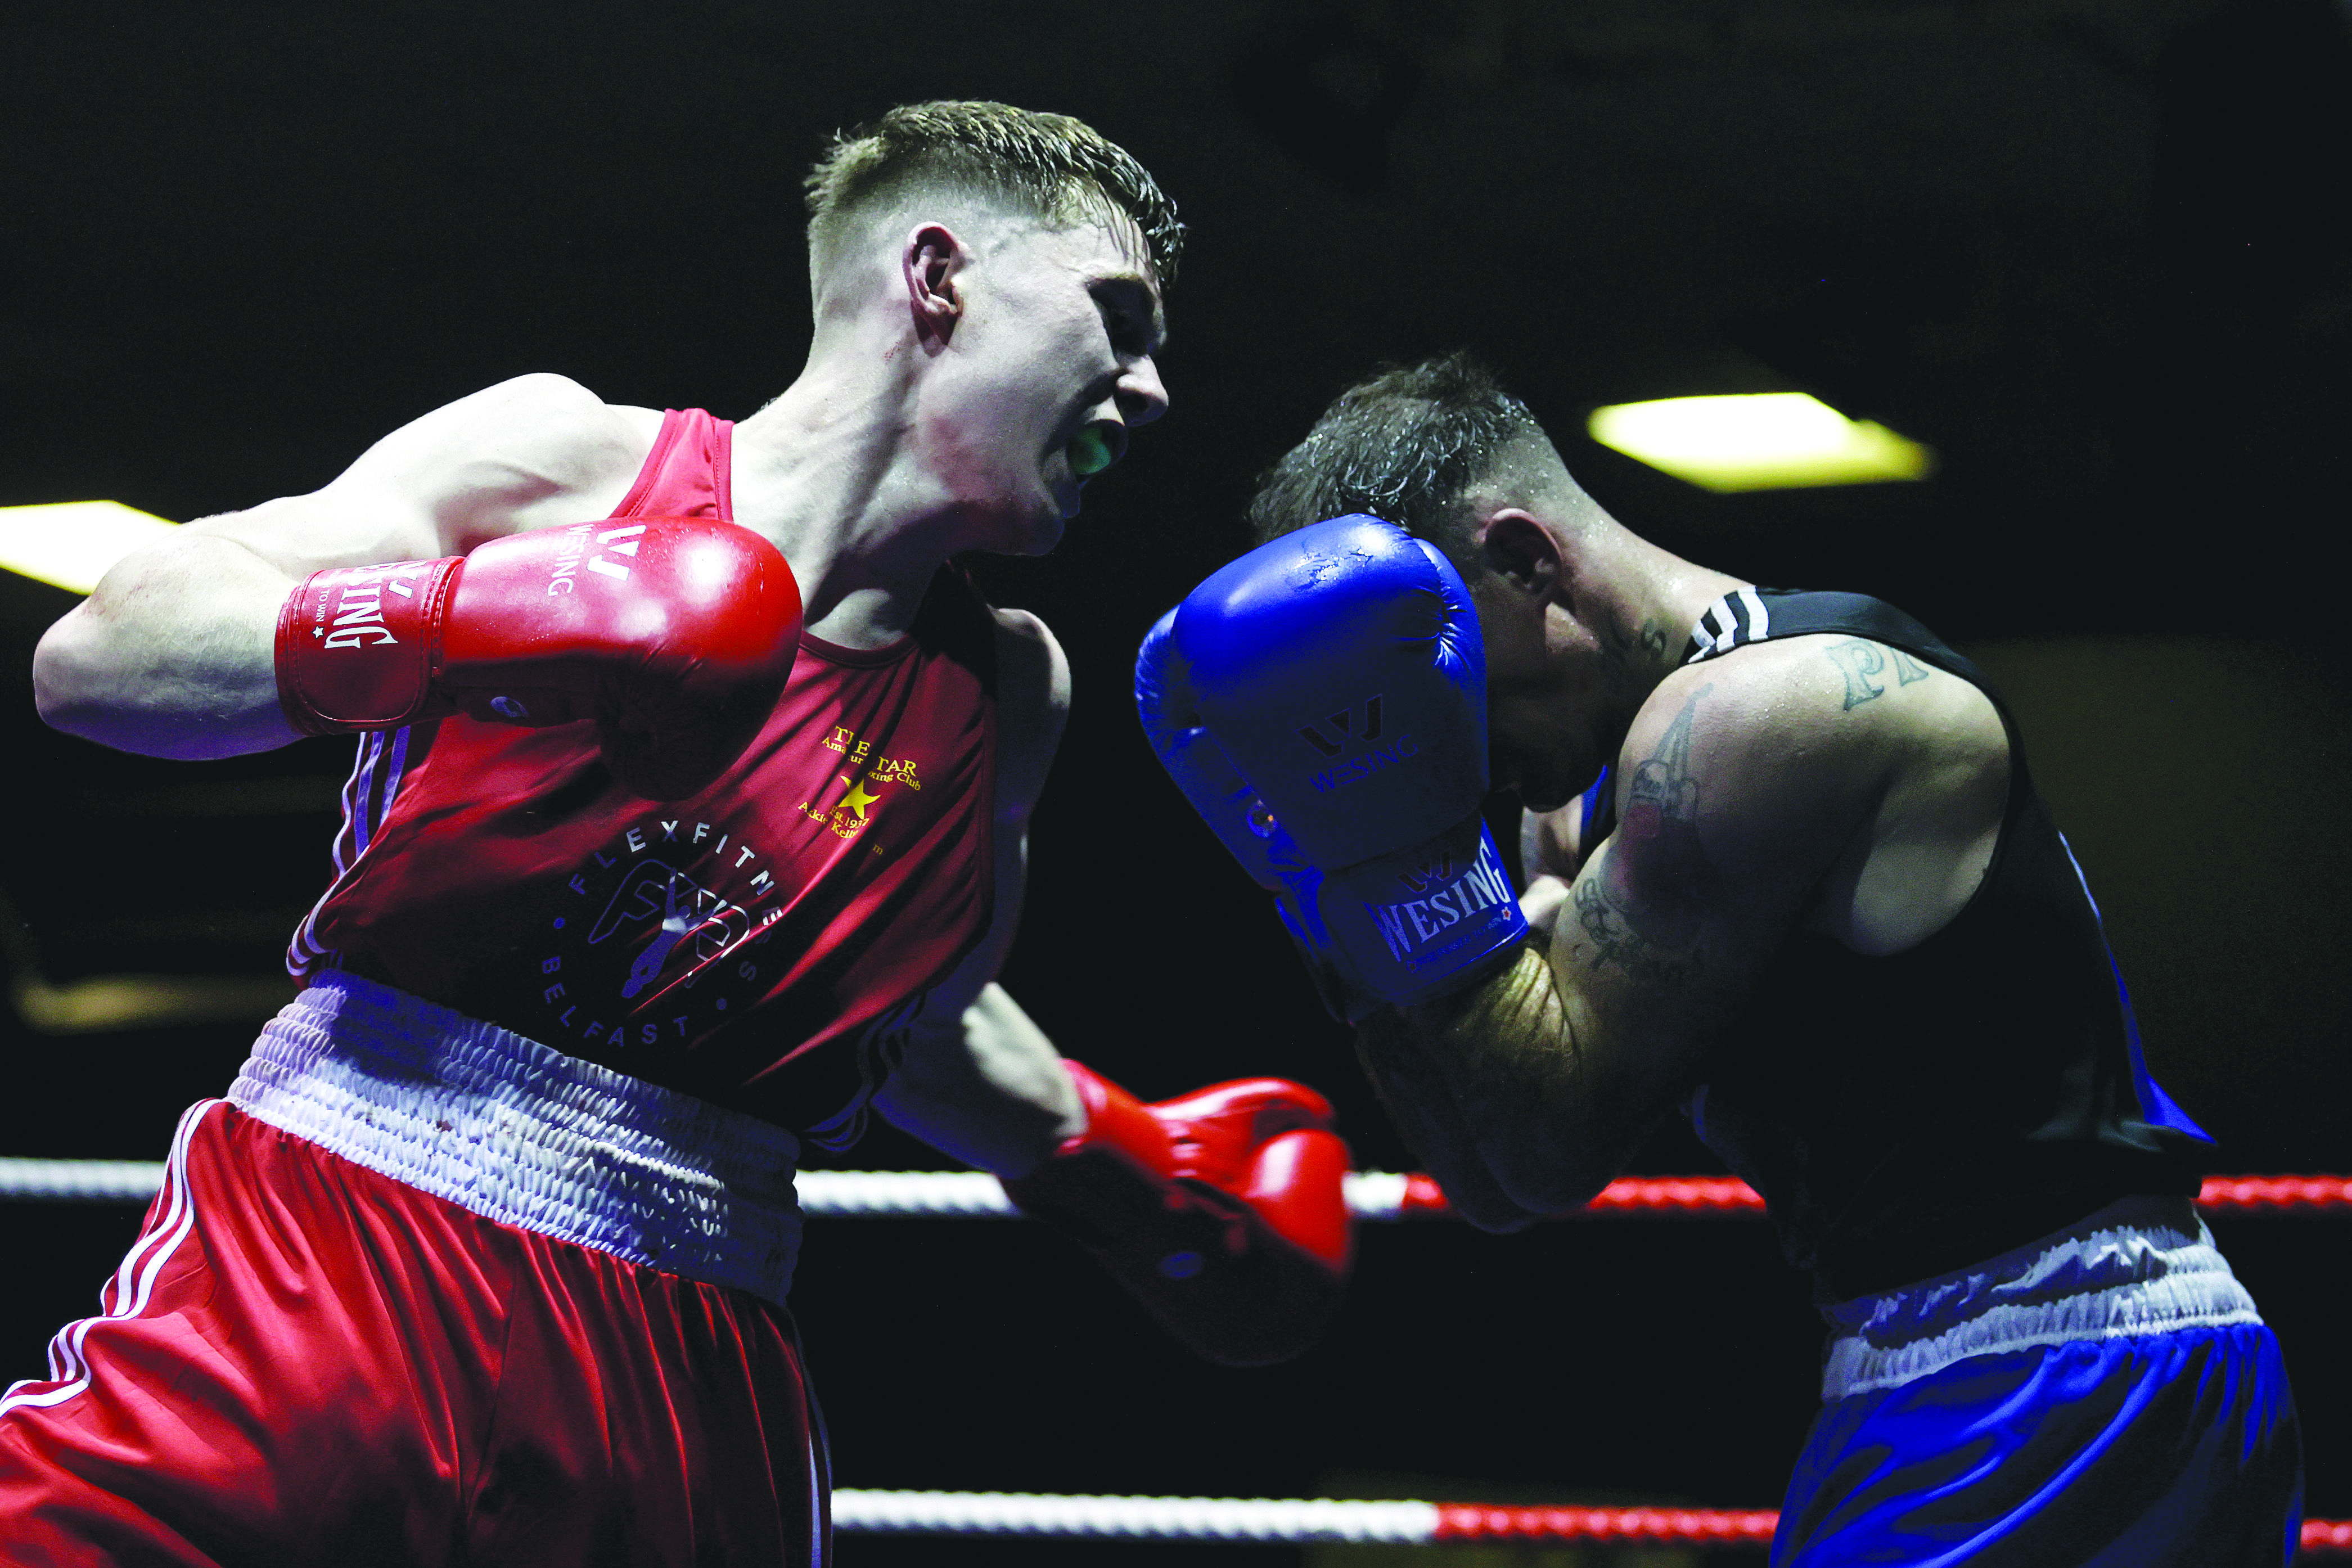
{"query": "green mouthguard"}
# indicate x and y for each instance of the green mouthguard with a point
(1089, 453)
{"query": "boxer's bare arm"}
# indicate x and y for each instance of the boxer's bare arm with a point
(1550, 850)
(174, 654)
(1754, 800)
(979, 1081)
(1414, 1089)
(1551, 843)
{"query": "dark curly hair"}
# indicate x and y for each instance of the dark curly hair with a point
(1407, 445)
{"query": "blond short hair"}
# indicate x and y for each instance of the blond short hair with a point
(1049, 165)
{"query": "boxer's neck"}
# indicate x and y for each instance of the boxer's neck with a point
(827, 473)
(815, 477)
(1640, 603)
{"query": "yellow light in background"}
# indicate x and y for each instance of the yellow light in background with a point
(70, 544)
(1758, 441)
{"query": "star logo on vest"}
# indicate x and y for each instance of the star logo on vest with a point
(859, 797)
(850, 814)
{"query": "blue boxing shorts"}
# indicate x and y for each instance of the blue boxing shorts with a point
(2106, 1397)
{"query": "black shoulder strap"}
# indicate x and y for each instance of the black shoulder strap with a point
(1748, 615)
(1760, 614)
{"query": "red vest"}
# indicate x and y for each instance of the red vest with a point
(764, 944)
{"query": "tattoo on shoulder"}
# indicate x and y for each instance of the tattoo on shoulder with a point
(1662, 779)
(1660, 826)
(1858, 660)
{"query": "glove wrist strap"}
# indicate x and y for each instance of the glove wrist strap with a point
(1425, 922)
(358, 646)
(1116, 1120)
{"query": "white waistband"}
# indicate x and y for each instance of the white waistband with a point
(519, 1133)
(2142, 1265)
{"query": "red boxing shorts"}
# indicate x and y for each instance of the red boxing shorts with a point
(424, 1292)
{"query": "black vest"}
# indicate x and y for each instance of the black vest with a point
(1908, 1115)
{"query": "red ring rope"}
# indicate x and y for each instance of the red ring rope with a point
(1479, 1522)
(1730, 1195)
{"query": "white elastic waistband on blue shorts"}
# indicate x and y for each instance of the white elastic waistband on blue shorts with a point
(2143, 1265)
(523, 1135)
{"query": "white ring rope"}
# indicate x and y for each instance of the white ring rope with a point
(845, 1195)
(80, 1180)
(973, 1194)
(903, 1195)
(1264, 1519)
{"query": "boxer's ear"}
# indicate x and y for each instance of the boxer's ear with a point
(932, 263)
(1517, 547)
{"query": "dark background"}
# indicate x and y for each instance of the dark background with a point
(2094, 253)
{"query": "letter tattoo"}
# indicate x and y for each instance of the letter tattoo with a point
(1857, 660)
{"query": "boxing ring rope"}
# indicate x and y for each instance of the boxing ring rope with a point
(1372, 1196)
(1289, 1522)
(1281, 1521)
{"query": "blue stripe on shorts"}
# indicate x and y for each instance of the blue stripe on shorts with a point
(2177, 1447)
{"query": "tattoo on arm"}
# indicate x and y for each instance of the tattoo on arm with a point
(1614, 941)
(1858, 660)
(1401, 1053)
(1655, 938)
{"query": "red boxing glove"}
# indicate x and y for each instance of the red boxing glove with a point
(674, 634)
(1222, 1211)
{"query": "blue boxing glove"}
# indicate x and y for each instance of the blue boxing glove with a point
(1241, 822)
(1332, 730)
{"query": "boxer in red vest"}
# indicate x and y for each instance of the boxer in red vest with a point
(687, 829)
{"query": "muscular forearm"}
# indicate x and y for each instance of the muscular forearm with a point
(1515, 1059)
(991, 1091)
(171, 657)
(1425, 1109)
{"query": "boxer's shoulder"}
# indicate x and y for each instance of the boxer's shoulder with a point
(559, 414)
(530, 452)
(1032, 667)
(1840, 697)
(1755, 750)
(1033, 703)
(1791, 745)
(525, 452)
(1763, 692)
